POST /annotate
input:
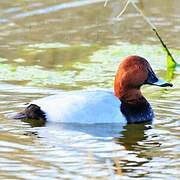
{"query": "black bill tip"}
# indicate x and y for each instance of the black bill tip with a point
(162, 83)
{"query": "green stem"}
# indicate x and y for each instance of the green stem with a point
(164, 45)
(155, 30)
(170, 57)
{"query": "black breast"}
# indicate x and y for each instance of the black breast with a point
(137, 113)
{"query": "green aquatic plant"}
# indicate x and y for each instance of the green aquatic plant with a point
(92, 66)
(171, 63)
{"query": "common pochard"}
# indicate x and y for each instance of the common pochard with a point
(125, 105)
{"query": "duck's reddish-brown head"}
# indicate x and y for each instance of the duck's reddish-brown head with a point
(133, 72)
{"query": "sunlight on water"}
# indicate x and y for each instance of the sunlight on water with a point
(47, 47)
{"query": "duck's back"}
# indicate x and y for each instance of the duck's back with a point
(82, 107)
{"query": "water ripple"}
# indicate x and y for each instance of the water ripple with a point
(57, 8)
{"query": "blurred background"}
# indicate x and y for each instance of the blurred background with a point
(50, 46)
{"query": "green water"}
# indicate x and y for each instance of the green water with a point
(50, 46)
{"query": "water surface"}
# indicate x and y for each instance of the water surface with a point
(51, 46)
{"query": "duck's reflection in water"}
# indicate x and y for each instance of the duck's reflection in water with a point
(125, 146)
(138, 140)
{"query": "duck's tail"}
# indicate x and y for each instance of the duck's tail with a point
(31, 112)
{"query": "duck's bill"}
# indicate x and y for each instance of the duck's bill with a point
(162, 83)
(154, 80)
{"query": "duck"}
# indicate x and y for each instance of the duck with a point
(125, 105)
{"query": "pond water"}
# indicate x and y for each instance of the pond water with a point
(50, 46)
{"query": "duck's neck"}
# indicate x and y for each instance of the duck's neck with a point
(131, 96)
(134, 106)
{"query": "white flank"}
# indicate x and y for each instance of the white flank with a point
(88, 107)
